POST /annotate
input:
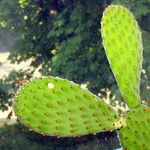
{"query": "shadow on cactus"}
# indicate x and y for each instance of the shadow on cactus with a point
(57, 107)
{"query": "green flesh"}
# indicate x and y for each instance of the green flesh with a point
(57, 107)
(136, 134)
(123, 46)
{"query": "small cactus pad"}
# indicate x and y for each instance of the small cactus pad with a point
(136, 134)
(123, 45)
(58, 107)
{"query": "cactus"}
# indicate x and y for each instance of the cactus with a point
(57, 107)
(123, 46)
(136, 134)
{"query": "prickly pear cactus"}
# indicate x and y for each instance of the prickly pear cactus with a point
(123, 46)
(136, 134)
(57, 107)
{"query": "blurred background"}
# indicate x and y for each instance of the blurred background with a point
(61, 38)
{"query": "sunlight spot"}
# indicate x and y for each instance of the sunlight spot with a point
(25, 17)
(50, 85)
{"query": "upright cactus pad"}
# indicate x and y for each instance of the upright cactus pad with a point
(57, 107)
(136, 134)
(123, 46)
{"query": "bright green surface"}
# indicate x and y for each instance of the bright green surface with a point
(136, 135)
(57, 107)
(123, 46)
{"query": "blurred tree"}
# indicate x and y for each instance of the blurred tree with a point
(48, 30)
(145, 82)
(10, 85)
(139, 8)
(63, 37)
(79, 54)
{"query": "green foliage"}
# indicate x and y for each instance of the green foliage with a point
(34, 20)
(123, 45)
(9, 16)
(9, 87)
(49, 30)
(139, 8)
(80, 56)
(57, 107)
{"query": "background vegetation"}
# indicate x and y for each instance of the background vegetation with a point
(63, 39)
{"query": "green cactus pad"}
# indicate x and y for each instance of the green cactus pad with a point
(136, 134)
(58, 107)
(123, 45)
